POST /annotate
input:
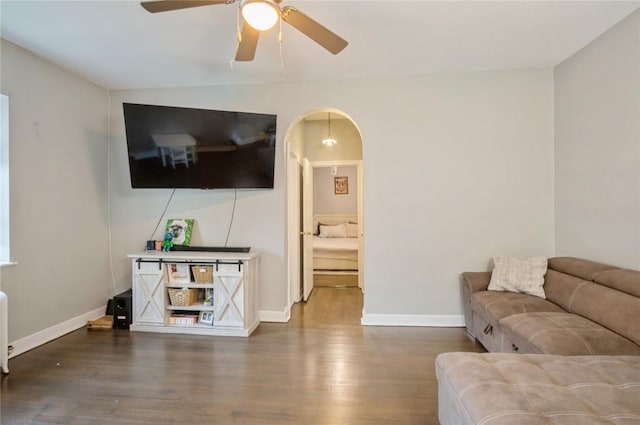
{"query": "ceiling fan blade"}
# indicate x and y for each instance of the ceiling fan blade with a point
(312, 29)
(168, 5)
(248, 43)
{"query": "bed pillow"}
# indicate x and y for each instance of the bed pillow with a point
(515, 275)
(333, 231)
(352, 230)
(317, 233)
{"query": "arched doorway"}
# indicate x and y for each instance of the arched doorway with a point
(338, 198)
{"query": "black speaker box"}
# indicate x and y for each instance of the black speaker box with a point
(122, 312)
(109, 311)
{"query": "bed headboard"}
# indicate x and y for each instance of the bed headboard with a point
(333, 219)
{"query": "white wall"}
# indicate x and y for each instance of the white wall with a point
(58, 171)
(296, 139)
(597, 166)
(325, 201)
(457, 168)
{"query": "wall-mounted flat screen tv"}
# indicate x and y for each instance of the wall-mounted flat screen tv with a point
(174, 147)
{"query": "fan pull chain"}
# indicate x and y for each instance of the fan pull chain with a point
(280, 40)
(238, 24)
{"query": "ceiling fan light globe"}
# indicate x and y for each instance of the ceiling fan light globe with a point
(260, 14)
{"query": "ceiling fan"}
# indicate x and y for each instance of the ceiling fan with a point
(260, 15)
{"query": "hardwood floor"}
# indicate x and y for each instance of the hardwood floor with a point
(339, 306)
(322, 367)
(335, 280)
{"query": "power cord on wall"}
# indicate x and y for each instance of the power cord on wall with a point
(233, 213)
(109, 240)
(162, 215)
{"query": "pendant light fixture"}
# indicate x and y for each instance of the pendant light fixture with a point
(329, 141)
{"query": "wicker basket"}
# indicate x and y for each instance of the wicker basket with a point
(202, 274)
(183, 297)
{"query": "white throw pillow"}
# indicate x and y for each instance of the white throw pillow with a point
(515, 275)
(333, 231)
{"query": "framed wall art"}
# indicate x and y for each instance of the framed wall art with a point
(341, 185)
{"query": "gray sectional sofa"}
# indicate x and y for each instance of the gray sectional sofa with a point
(537, 389)
(581, 345)
(590, 308)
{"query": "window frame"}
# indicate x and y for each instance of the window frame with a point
(5, 252)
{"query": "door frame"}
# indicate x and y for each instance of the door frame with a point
(307, 228)
(293, 203)
(294, 225)
(360, 207)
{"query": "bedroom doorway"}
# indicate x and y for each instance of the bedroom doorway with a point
(331, 214)
(325, 204)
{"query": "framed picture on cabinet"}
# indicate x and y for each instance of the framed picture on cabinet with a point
(181, 230)
(206, 318)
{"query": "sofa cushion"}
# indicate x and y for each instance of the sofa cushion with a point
(623, 280)
(608, 307)
(578, 267)
(508, 389)
(488, 307)
(612, 309)
(563, 333)
(516, 275)
(561, 288)
(497, 305)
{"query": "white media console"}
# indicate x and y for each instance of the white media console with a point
(206, 293)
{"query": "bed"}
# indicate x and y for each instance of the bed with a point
(335, 244)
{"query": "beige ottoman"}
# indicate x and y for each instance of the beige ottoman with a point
(537, 389)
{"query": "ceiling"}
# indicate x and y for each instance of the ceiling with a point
(118, 45)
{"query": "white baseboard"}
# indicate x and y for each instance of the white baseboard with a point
(275, 316)
(32, 341)
(440, 321)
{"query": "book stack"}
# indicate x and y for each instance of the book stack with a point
(183, 319)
